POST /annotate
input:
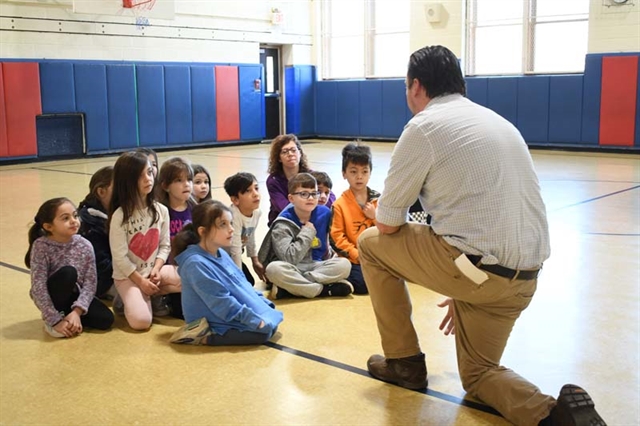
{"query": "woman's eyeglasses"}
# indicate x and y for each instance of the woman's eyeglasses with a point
(306, 194)
(289, 151)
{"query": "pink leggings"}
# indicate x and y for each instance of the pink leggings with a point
(137, 305)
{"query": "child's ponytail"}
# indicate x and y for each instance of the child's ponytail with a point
(187, 236)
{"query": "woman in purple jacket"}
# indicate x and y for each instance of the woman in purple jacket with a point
(285, 161)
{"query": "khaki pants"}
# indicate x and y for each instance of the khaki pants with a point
(484, 314)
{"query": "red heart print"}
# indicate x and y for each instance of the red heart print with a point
(144, 245)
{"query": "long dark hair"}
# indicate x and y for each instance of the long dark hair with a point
(126, 173)
(438, 71)
(204, 214)
(275, 165)
(46, 214)
(102, 178)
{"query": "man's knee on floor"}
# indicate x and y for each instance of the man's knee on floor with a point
(471, 375)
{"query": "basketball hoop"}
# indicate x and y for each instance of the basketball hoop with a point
(140, 9)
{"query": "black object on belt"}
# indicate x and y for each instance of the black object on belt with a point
(502, 271)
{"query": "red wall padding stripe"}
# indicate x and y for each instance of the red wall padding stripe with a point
(618, 105)
(22, 100)
(4, 148)
(227, 103)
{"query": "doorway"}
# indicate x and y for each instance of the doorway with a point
(270, 60)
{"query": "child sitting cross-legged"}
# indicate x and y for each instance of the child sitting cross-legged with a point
(295, 251)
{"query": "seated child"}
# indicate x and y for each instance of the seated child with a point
(201, 183)
(219, 305)
(243, 190)
(324, 187)
(296, 246)
(354, 211)
(93, 212)
(173, 189)
(63, 272)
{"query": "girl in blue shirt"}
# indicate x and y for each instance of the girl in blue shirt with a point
(220, 306)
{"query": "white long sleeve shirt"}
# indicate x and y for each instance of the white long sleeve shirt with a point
(136, 244)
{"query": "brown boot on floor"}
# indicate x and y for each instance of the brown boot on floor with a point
(575, 408)
(409, 372)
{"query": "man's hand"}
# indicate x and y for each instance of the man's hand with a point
(448, 322)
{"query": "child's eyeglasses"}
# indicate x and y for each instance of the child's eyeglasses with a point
(289, 151)
(306, 194)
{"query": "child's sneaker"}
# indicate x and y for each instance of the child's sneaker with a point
(341, 288)
(159, 306)
(118, 305)
(278, 293)
(194, 333)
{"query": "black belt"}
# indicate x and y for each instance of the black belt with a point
(504, 272)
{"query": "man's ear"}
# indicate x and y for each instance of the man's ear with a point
(235, 200)
(290, 197)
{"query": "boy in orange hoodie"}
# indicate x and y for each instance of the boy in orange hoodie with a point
(354, 211)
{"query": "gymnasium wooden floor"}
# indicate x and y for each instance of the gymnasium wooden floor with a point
(582, 327)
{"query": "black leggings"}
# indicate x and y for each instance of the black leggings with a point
(247, 275)
(64, 292)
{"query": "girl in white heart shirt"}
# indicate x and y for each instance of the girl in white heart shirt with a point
(139, 240)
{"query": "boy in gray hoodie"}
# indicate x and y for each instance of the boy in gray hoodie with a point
(295, 252)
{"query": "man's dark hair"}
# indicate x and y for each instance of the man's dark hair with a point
(438, 71)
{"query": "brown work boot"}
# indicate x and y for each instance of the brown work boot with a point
(409, 372)
(575, 408)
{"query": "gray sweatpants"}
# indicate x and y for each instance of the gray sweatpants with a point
(307, 279)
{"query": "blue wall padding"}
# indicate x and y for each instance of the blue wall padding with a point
(394, 108)
(57, 87)
(121, 97)
(203, 103)
(502, 97)
(91, 99)
(326, 108)
(565, 108)
(251, 102)
(477, 89)
(370, 106)
(591, 100)
(306, 91)
(533, 108)
(152, 116)
(348, 109)
(292, 100)
(177, 87)
(300, 102)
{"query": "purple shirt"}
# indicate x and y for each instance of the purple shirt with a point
(177, 220)
(47, 257)
(278, 187)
